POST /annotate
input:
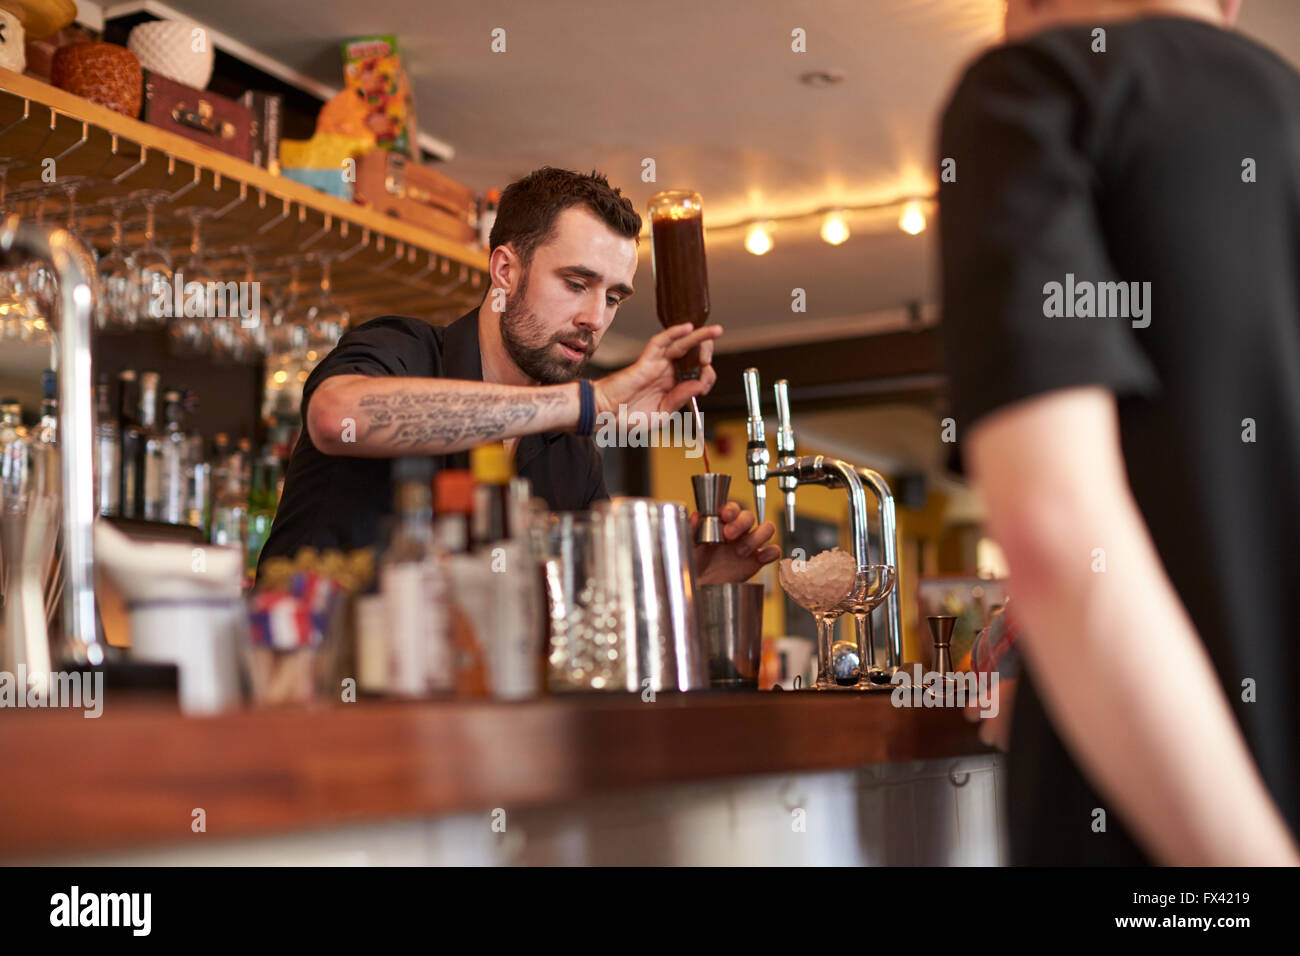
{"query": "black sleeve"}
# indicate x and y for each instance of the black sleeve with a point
(1022, 213)
(390, 345)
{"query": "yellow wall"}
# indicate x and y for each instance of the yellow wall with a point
(670, 480)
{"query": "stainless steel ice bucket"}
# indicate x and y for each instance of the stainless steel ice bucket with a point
(643, 553)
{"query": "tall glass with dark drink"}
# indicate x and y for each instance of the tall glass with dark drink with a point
(681, 276)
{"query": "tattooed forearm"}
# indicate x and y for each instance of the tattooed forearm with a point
(408, 419)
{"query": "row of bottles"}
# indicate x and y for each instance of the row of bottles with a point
(460, 605)
(149, 467)
(29, 457)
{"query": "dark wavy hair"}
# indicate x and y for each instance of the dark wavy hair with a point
(528, 209)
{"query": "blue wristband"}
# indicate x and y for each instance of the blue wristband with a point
(586, 407)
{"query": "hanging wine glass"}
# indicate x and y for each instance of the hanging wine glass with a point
(189, 328)
(327, 319)
(289, 331)
(42, 286)
(14, 306)
(250, 342)
(118, 305)
(153, 265)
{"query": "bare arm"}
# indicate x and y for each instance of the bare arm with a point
(380, 416)
(374, 417)
(1122, 670)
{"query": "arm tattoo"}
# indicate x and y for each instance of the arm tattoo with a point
(406, 419)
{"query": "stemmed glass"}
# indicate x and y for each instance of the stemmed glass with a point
(14, 303)
(118, 302)
(251, 340)
(875, 583)
(188, 335)
(41, 283)
(327, 320)
(823, 585)
(289, 332)
(153, 266)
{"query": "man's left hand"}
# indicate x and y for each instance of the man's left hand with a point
(742, 551)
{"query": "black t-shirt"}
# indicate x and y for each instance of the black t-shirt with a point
(1134, 165)
(337, 501)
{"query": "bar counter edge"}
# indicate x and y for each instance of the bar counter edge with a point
(137, 775)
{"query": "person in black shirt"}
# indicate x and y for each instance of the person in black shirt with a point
(563, 257)
(1120, 242)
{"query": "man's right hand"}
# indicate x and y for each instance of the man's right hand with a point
(650, 383)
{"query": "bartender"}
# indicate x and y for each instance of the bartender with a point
(563, 257)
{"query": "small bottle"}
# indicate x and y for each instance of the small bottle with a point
(108, 436)
(492, 470)
(45, 477)
(131, 491)
(262, 503)
(167, 465)
(510, 623)
(230, 512)
(414, 589)
(15, 459)
(149, 463)
(468, 575)
(200, 476)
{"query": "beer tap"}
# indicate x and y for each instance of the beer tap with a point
(888, 555)
(785, 448)
(792, 470)
(756, 456)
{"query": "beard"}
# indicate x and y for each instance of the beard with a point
(527, 343)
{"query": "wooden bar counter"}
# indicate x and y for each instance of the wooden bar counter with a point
(134, 776)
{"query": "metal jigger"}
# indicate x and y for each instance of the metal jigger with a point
(941, 627)
(710, 497)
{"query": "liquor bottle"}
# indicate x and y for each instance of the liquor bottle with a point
(491, 467)
(108, 436)
(166, 464)
(44, 446)
(244, 458)
(131, 490)
(230, 512)
(680, 271)
(510, 623)
(149, 493)
(414, 589)
(469, 576)
(263, 500)
(199, 474)
(15, 467)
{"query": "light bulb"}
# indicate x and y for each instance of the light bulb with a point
(834, 229)
(913, 219)
(759, 239)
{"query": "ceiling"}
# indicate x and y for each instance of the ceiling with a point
(711, 92)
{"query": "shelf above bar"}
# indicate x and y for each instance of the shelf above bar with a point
(386, 263)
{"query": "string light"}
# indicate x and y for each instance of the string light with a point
(759, 239)
(912, 221)
(834, 229)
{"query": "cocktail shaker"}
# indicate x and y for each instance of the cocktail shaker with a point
(643, 558)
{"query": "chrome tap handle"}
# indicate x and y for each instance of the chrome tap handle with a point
(756, 455)
(785, 449)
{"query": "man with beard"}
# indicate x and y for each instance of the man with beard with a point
(563, 257)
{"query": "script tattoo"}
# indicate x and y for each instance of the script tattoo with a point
(405, 419)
